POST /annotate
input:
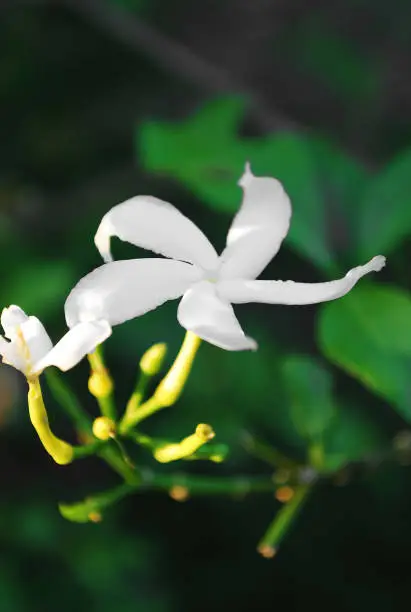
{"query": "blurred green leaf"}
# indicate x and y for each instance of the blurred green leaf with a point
(344, 181)
(368, 334)
(384, 214)
(207, 155)
(351, 437)
(39, 287)
(308, 386)
(336, 62)
(203, 152)
(290, 159)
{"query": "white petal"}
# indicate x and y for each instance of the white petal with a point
(289, 292)
(212, 319)
(36, 338)
(11, 355)
(258, 229)
(74, 345)
(122, 290)
(11, 317)
(153, 224)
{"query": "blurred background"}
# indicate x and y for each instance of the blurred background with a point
(105, 99)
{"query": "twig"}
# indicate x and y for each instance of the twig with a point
(175, 57)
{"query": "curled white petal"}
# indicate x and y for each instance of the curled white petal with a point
(11, 318)
(258, 229)
(11, 355)
(74, 345)
(289, 292)
(36, 339)
(212, 319)
(122, 290)
(153, 224)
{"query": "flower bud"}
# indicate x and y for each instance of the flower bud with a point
(100, 384)
(187, 447)
(104, 428)
(152, 360)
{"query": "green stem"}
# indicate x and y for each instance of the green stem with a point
(113, 456)
(210, 485)
(278, 528)
(90, 508)
(65, 397)
(86, 451)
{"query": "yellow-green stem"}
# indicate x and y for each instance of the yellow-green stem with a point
(169, 389)
(269, 543)
(60, 451)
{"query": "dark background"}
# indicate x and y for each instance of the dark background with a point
(79, 82)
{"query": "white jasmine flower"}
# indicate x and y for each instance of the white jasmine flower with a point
(28, 347)
(121, 290)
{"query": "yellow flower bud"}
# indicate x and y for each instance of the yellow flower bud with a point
(104, 428)
(187, 447)
(152, 360)
(100, 384)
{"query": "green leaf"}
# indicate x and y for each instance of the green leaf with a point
(368, 334)
(344, 181)
(207, 155)
(202, 152)
(384, 214)
(337, 63)
(290, 159)
(308, 386)
(40, 286)
(351, 437)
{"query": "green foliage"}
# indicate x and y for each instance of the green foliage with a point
(352, 436)
(206, 153)
(384, 218)
(308, 387)
(368, 334)
(336, 63)
(333, 197)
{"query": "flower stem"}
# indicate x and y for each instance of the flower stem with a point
(268, 544)
(92, 507)
(60, 451)
(65, 397)
(169, 389)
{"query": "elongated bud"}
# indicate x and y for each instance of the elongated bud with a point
(104, 428)
(152, 360)
(100, 384)
(60, 451)
(172, 385)
(187, 447)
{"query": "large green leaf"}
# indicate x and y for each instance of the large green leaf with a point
(308, 386)
(384, 214)
(368, 334)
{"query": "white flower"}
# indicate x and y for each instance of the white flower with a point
(30, 350)
(121, 290)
